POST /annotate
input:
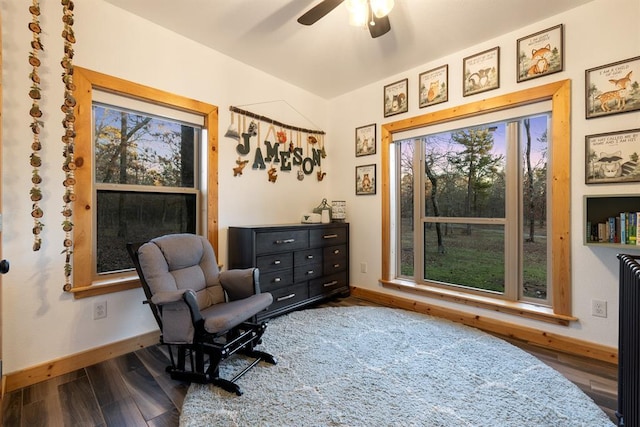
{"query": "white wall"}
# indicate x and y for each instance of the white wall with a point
(598, 33)
(40, 321)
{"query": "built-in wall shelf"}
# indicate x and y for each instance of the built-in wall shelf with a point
(604, 212)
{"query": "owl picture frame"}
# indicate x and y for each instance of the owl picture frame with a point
(366, 180)
(433, 86)
(612, 157)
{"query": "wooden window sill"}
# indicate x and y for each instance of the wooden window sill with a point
(521, 309)
(102, 287)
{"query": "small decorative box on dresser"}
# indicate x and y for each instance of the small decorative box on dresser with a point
(299, 264)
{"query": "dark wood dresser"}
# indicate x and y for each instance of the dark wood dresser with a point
(299, 264)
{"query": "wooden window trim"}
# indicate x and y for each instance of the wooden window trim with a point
(559, 93)
(85, 281)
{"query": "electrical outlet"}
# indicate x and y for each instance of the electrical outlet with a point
(99, 310)
(598, 308)
(363, 267)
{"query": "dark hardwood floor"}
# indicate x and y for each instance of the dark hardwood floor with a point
(134, 390)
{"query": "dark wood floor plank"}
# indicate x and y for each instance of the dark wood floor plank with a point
(123, 412)
(175, 390)
(107, 382)
(46, 413)
(12, 409)
(155, 359)
(79, 404)
(147, 393)
(168, 419)
(41, 390)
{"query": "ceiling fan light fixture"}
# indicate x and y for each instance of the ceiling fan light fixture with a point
(358, 12)
(381, 8)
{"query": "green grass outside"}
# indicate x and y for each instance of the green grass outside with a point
(476, 260)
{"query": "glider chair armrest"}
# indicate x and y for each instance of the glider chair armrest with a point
(240, 283)
(166, 297)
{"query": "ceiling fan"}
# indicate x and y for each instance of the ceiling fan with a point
(372, 13)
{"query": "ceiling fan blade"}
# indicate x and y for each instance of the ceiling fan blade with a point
(318, 11)
(382, 26)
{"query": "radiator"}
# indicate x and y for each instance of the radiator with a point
(629, 342)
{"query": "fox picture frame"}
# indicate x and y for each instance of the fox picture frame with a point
(541, 53)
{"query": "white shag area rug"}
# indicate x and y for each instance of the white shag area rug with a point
(372, 366)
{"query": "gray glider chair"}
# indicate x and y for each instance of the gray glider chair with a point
(205, 315)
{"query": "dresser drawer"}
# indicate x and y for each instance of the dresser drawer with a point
(334, 265)
(335, 252)
(307, 272)
(328, 236)
(268, 263)
(288, 296)
(281, 241)
(276, 279)
(328, 284)
(309, 256)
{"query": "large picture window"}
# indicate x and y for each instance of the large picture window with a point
(476, 209)
(147, 167)
(481, 219)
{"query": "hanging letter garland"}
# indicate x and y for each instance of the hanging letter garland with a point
(282, 156)
(36, 124)
(68, 138)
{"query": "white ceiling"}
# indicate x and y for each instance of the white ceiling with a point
(331, 58)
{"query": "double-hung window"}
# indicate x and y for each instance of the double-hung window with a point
(146, 166)
(146, 173)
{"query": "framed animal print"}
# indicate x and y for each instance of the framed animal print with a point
(365, 180)
(541, 53)
(366, 140)
(613, 88)
(396, 98)
(613, 157)
(481, 72)
(433, 86)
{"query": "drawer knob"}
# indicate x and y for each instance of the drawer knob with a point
(336, 252)
(309, 256)
(277, 279)
(310, 272)
(330, 236)
(276, 262)
(333, 283)
(280, 242)
(286, 297)
(336, 265)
